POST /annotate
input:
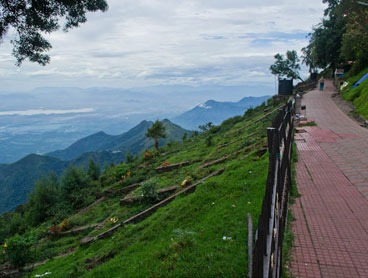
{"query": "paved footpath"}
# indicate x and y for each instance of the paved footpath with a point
(331, 216)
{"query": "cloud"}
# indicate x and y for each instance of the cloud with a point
(147, 42)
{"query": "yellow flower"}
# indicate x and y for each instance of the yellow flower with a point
(5, 245)
(114, 219)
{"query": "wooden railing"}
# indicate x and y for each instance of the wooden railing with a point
(267, 253)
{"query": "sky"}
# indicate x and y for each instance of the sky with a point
(139, 43)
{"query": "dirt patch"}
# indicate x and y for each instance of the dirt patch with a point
(93, 262)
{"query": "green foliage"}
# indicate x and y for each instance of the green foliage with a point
(12, 223)
(156, 131)
(207, 224)
(354, 41)
(340, 37)
(43, 200)
(32, 19)
(148, 190)
(286, 66)
(209, 140)
(358, 95)
(75, 187)
(94, 170)
(185, 136)
(19, 250)
(206, 127)
(129, 158)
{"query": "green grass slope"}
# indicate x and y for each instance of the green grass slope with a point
(359, 95)
(199, 234)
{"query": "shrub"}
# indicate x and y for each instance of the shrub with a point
(94, 170)
(148, 189)
(148, 155)
(19, 250)
(129, 158)
(209, 140)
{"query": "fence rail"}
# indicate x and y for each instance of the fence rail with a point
(267, 253)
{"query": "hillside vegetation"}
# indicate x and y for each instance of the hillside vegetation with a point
(18, 179)
(220, 177)
(358, 95)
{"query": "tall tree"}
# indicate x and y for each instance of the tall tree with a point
(31, 19)
(94, 170)
(73, 183)
(156, 131)
(287, 66)
(354, 45)
(43, 199)
(339, 37)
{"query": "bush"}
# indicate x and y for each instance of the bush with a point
(19, 250)
(148, 189)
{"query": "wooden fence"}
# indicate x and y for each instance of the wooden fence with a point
(267, 252)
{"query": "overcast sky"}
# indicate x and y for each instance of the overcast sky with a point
(150, 42)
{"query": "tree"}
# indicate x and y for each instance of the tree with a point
(287, 67)
(32, 19)
(156, 131)
(73, 187)
(206, 127)
(43, 200)
(354, 46)
(341, 36)
(93, 170)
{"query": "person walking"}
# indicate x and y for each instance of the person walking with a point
(321, 83)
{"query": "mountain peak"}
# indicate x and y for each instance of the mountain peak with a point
(216, 112)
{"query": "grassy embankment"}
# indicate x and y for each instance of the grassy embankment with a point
(199, 234)
(359, 95)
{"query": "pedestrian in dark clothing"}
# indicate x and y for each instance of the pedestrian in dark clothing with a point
(321, 83)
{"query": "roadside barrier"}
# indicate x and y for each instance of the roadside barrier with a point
(267, 252)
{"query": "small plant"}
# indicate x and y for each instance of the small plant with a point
(54, 230)
(187, 181)
(114, 220)
(64, 225)
(148, 189)
(148, 155)
(165, 164)
(129, 157)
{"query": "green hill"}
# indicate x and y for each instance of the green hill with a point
(133, 141)
(17, 179)
(199, 232)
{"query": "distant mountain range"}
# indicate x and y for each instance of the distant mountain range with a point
(132, 141)
(17, 179)
(216, 112)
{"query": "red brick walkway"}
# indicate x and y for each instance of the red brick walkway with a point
(331, 216)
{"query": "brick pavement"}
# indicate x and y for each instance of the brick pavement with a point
(331, 216)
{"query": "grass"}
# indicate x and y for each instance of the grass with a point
(289, 235)
(202, 234)
(359, 95)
